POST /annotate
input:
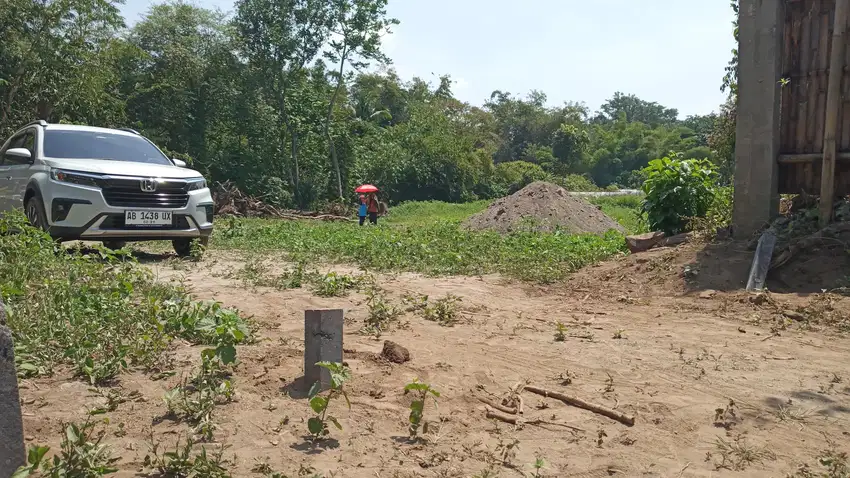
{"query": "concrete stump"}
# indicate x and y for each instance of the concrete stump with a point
(322, 343)
(12, 448)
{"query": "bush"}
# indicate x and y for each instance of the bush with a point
(577, 182)
(676, 191)
(515, 175)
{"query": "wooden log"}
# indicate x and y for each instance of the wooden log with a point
(833, 102)
(577, 402)
(808, 158)
(501, 408)
(515, 420)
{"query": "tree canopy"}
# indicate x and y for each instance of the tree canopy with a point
(295, 102)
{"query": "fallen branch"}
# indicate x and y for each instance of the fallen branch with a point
(576, 402)
(502, 408)
(514, 420)
(788, 253)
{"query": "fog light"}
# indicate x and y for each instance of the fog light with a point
(208, 209)
(61, 207)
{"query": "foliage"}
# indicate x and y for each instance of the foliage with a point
(334, 284)
(560, 332)
(719, 214)
(277, 98)
(97, 310)
(443, 311)
(677, 190)
(381, 312)
(427, 246)
(82, 455)
(318, 425)
(195, 398)
(417, 406)
(625, 209)
(184, 461)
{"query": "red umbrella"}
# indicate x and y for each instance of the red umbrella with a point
(366, 188)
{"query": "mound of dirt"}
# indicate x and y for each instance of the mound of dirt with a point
(543, 207)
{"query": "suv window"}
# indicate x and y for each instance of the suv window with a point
(101, 145)
(23, 140)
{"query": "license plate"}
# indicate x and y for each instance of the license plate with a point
(147, 218)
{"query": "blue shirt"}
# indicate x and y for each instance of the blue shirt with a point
(362, 211)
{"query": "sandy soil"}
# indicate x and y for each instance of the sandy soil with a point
(686, 348)
(543, 206)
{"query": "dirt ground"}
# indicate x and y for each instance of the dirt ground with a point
(663, 336)
(543, 206)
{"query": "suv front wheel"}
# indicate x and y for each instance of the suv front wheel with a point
(183, 247)
(35, 213)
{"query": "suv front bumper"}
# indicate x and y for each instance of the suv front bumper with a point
(81, 212)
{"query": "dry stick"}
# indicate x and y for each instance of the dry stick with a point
(519, 421)
(495, 405)
(577, 402)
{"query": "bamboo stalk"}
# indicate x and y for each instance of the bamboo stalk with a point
(833, 101)
(808, 157)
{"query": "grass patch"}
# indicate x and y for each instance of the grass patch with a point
(426, 212)
(623, 209)
(95, 310)
(428, 246)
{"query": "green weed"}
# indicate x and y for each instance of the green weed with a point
(318, 425)
(438, 247)
(417, 406)
(82, 455)
(560, 332)
(381, 312)
(444, 311)
(184, 461)
(94, 309)
(334, 284)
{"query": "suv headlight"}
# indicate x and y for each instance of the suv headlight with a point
(197, 184)
(85, 179)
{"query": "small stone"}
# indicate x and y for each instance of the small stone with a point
(794, 315)
(707, 294)
(394, 352)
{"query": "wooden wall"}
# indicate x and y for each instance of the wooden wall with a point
(805, 64)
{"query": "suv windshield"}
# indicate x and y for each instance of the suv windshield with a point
(100, 145)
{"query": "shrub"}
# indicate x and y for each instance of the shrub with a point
(515, 175)
(577, 182)
(677, 190)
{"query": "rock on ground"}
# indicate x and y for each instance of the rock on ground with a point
(394, 352)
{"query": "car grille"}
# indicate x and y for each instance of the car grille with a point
(116, 221)
(169, 194)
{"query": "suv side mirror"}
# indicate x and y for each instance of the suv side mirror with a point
(179, 162)
(21, 153)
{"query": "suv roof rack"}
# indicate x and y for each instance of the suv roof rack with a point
(38, 122)
(129, 130)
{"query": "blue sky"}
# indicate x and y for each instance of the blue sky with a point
(669, 51)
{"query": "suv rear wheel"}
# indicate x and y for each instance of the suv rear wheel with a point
(35, 213)
(183, 247)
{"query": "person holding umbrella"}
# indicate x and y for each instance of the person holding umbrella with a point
(371, 202)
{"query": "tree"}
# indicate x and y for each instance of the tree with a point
(636, 109)
(280, 37)
(357, 26)
(48, 56)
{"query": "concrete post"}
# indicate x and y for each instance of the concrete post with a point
(760, 31)
(12, 448)
(322, 343)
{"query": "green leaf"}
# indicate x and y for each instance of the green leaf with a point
(335, 422)
(314, 390)
(315, 425)
(318, 403)
(72, 433)
(227, 354)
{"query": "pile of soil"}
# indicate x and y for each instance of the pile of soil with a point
(543, 207)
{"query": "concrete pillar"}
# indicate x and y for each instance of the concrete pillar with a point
(12, 448)
(761, 25)
(322, 343)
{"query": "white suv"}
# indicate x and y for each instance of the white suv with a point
(97, 184)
